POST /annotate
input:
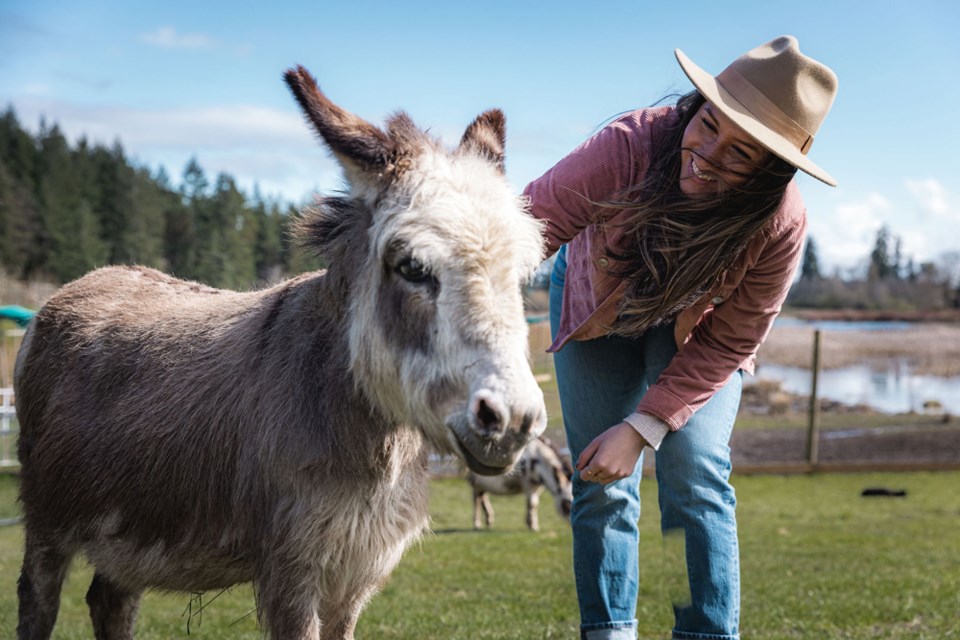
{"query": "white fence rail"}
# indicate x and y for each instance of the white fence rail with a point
(8, 429)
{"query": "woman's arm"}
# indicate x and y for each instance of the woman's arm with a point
(566, 196)
(729, 334)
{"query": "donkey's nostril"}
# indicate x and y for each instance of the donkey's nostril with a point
(534, 420)
(488, 417)
(529, 420)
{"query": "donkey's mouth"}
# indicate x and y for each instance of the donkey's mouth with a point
(475, 465)
(485, 456)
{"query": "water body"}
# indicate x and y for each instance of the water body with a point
(895, 390)
(844, 325)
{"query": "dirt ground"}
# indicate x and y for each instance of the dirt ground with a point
(894, 444)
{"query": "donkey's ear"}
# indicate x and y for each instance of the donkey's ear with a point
(356, 143)
(487, 137)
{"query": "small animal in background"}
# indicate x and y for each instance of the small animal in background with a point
(539, 467)
(566, 460)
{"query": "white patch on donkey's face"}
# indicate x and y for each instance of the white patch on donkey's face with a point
(454, 246)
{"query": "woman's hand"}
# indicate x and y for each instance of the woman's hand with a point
(612, 455)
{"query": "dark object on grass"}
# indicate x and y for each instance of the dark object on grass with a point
(883, 492)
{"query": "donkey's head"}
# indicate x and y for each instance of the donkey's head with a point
(433, 247)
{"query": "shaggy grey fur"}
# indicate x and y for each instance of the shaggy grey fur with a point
(188, 438)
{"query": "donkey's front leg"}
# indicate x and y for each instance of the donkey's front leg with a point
(286, 611)
(283, 622)
(533, 502)
(340, 618)
(481, 502)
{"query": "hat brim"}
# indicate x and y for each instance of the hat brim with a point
(708, 86)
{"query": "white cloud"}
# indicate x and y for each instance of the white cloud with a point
(256, 145)
(844, 238)
(37, 89)
(168, 38)
(215, 127)
(936, 216)
(924, 214)
(933, 197)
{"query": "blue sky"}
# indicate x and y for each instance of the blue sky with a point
(203, 79)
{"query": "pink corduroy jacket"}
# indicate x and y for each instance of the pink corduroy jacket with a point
(717, 335)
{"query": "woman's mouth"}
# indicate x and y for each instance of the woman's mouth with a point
(698, 173)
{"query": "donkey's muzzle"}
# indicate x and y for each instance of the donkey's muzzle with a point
(491, 434)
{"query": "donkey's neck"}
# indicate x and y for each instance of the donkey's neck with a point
(329, 401)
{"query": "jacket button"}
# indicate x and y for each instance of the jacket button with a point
(717, 300)
(603, 262)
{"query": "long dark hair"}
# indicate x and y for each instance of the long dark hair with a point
(676, 247)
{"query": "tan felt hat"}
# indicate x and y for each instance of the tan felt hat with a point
(776, 94)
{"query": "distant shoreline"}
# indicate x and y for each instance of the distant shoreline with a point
(878, 315)
(929, 347)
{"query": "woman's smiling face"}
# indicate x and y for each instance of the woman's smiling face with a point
(716, 153)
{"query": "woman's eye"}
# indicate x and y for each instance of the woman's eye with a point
(708, 125)
(743, 155)
(412, 270)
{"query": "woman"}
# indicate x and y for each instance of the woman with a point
(679, 230)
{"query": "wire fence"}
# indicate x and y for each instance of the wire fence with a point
(8, 429)
(9, 343)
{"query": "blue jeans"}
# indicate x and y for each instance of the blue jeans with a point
(600, 382)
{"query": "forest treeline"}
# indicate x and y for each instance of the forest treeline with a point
(885, 280)
(66, 209)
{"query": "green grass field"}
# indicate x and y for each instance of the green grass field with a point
(818, 562)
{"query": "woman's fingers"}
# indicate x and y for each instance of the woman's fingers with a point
(611, 456)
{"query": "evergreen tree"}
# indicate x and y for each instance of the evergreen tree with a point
(187, 228)
(911, 270)
(18, 223)
(143, 238)
(811, 262)
(18, 150)
(896, 262)
(298, 258)
(237, 230)
(64, 211)
(23, 251)
(882, 264)
(69, 222)
(208, 225)
(269, 247)
(113, 191)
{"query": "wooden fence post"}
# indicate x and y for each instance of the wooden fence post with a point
(813, 422)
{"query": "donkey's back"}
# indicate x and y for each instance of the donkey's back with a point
(130, 381)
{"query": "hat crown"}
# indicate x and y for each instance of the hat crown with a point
(803, 88)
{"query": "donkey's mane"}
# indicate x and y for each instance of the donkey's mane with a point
(329, 223)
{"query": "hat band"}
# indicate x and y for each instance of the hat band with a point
(764, 110)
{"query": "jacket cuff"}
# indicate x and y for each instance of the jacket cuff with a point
(651, 428)
(661, 403)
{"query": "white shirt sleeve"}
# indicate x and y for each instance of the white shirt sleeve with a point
(652, 429)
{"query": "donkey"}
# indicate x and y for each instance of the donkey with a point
(538, 467)
(187, 438)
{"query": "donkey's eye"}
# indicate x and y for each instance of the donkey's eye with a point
(412, 270)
